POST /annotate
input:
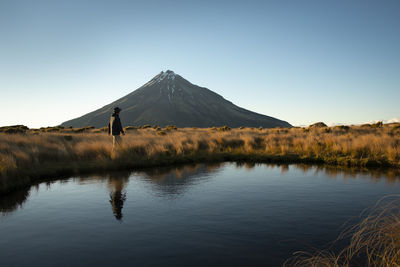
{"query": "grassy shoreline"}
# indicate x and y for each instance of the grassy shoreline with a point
(37, 155)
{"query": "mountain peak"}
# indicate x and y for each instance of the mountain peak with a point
(169, 99)
(169, 74)
(163, 75)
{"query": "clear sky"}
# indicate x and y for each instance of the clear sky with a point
(301, 61)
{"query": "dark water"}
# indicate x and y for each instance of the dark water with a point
(197, 215)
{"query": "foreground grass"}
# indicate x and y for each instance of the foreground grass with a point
(375, 241)
(35, 154)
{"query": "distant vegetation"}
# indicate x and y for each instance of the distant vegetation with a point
(14, 129)
(28, 155)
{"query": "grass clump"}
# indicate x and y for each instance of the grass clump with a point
(318, 125)
(396, 126)
(85, 129)
(79, 130)
(375, 241)
(366, 125)
(171, 127)
(379, 124)
(342, 127)
(224, 128)
(101, 130)
(129, 128)
(51, 129)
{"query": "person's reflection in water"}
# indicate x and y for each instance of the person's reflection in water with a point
(117, 183)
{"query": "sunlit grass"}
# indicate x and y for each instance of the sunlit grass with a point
(30, 154)
(375, 241)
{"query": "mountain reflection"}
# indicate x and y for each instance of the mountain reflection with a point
(171, 182)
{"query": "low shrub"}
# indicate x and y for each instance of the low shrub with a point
(396, 126)
(171, 127)
(379, 124)
(50, 129)
(366, 125)
(130, 128)
(318, 125)
(224, 129)
(342, 127)
(14, 129)
(78, 130)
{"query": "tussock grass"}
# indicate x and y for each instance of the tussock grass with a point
(375, 241)
(37, 153)
(13, 129)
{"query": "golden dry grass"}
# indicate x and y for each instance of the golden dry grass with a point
(375, 241)
(37, 153)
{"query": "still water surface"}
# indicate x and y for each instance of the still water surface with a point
(196, 215)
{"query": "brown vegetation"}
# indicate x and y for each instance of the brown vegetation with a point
(34, 154)
(375, 241)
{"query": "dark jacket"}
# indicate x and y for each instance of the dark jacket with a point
(115, 126)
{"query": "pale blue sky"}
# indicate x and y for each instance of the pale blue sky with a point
(301, 61)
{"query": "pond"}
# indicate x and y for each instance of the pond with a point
(226, 214)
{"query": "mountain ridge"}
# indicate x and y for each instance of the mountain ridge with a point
(169, 99)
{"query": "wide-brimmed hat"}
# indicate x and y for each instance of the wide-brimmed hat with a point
(117, 109)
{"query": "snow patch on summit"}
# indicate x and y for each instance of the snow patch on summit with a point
(170, 75)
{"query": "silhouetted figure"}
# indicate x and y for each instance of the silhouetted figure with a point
(115, 128)
(117, 183)
(117, 200)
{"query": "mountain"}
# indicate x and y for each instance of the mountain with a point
(169, 99)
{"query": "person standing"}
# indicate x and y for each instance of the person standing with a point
(115, 128)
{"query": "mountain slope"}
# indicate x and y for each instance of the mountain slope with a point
(169, 99)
